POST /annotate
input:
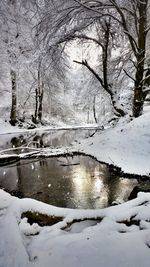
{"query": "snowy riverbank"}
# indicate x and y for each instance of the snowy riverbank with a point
(6, 128)
(115, 236)
(126, 146)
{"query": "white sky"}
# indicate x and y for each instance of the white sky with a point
(80, 52)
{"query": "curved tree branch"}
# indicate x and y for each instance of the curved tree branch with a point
(118, 111)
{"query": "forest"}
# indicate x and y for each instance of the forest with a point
(56, 53)
(74, 133)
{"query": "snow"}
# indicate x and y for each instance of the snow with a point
(126, 146)
(92, 242)
(110, 237)
(6, 128)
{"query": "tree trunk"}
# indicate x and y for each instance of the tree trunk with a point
(36, 106)
(38, 97)
(104, 81)
(139, 98)
(13, 113)
(40, 101)
(105, 47)
(94, 110)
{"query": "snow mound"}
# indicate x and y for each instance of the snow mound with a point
(115, 236)
(126, 146)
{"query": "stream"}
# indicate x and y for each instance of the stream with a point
(72, 182)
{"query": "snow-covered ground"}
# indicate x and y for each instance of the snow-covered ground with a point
(6, 128)
(111, 237)
(126, 146)
(103, 238)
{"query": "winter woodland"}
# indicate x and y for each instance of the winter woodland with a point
(74, 133)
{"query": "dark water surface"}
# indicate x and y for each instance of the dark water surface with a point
(78, 182)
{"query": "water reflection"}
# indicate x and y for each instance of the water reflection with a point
(78, 182)
(53, 138)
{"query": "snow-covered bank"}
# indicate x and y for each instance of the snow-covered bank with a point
(121, 238)
(115, 236)
(126, 146)
(6, 128)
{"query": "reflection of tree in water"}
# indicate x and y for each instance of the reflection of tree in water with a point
(30, 183)
(108, 183)
(111, 182)
(38, 141)
(43, 162)
(43, 180)
(78, 182)
(18, 141)
(118, 188)
(55, 138)
(22, 140)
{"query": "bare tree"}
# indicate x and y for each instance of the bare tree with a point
(13, 113)
(138, 13)
(70, 21)
(39, 91)
(104, 40)
(17, 46)
(131, 15)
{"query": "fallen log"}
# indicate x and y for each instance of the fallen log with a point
(41, 219)
(8, 159)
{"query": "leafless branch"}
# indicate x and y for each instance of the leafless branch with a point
(83, 36)
(85, 63)
(129, 75)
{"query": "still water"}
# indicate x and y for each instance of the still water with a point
(78, 182)
(52, 138)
